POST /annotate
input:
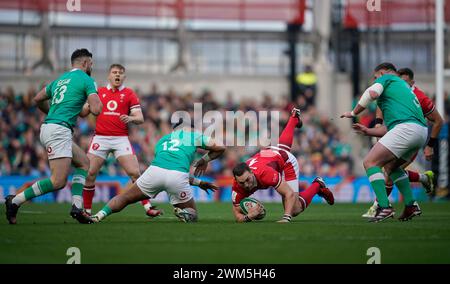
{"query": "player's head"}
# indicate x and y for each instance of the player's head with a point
(116, 75)
(82, 59)
(407, 74)
(244, 176)
(384, 68)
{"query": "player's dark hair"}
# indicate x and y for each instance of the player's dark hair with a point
(386, 66)
(406, 71)
(79, 53)
(118, 66)
(240, 169)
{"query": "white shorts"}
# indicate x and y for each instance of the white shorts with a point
(291, 170)
(175, 183)
(57, 140)
(101, 146)
(404, 140)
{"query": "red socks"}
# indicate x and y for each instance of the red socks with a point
(287, 136)
(413, 176)
(307, 195)
(88, 196)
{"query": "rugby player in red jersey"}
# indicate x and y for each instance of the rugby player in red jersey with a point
(432, 115)
(111, 134)
(276, 167)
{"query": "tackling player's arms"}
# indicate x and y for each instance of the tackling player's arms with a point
(214, 151)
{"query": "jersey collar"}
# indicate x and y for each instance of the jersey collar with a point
(109, 87)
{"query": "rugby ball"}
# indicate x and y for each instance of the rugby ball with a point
(248, 203)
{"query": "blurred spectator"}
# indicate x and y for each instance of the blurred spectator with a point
(306, 82)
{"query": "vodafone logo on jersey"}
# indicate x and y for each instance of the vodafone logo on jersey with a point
(112, 105)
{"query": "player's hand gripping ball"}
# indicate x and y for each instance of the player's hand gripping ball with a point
(248, 203)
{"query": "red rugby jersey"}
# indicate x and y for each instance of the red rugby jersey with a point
(425, 102)
(115, 103)
(268, 166)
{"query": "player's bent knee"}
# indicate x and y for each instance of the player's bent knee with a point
(58, 182)
(134, 176)
(368, 163)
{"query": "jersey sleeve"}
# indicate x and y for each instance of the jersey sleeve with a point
(134, 101)
(236, 194)
(425, 102)
(91, 86)
(48, 89)
(270, 177)
(383, 80)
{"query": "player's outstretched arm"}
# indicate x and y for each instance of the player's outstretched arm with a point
(214, 151)
(203, 184)
(373, 132)
(372, 93)
(41, 100)
(289, 197)
(95, 104)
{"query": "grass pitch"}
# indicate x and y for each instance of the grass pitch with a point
(322, 234)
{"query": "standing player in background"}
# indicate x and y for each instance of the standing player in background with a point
(430, 112)
(276, 167)
(407, 133)
(169, 171)
(66, 95)
(111, 134)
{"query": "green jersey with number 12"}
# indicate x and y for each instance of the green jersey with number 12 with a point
(67, 95)
(398, 102)
(176, 151)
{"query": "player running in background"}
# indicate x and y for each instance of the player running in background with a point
(430, 112)
(276, 167)
(66, 95)
(111, 134)
(407, 133)
(169, 171)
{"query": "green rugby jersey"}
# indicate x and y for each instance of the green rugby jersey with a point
(398, 103)
(67, 95)
(176, 151)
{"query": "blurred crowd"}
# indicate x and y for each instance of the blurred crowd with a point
(319, 147)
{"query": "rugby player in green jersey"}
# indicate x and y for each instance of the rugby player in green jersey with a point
(407, 133)
(63, 101)
(169, 171)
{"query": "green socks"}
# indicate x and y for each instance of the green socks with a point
(401, 180)
(37, 189)
(106, 210)
(78, 181)
(376, 178)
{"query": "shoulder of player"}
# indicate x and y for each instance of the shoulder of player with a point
(103, 89)
(128, 91)
(419, 93)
